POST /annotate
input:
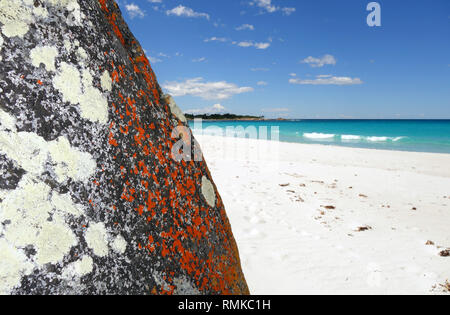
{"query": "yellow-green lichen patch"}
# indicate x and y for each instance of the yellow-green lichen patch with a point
(176, 111)
(33, 221)
(70, 162)
(96, 238)
(77, 89)
(27, 149)
(15, 17)
(93, 104)
(208, 192)
(82, 54)
(31, 151)
(7, 122)
(79, 268)
(106, 81)
(26, 208)
(65, 205)
(40, 11)
(13, 265)
(54, 242)
(67, 45)
(119, 245)
(35, 215)
(68, 82)
(45, 55)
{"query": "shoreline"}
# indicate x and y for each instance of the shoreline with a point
(406, 135)
(330, 119)
(334, 220)
(434, 166)
(327, 145)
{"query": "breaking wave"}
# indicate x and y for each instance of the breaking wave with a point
(319, 136)
(373, 139)
(350, 138)
(377, 139)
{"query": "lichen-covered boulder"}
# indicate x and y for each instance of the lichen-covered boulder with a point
(91, 199)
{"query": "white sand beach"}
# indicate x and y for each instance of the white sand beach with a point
(315, 219)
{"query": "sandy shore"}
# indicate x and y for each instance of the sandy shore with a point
(313, 219)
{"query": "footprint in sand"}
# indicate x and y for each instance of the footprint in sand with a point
(254, 220)
(257, 220)
(374, 277)
(254, 233)
(280, 255)
(305, 234)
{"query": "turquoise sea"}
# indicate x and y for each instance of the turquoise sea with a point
(404, 135)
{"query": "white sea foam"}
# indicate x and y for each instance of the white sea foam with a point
(377, 139)
(384, 139)
(350, 137)
(319, 136)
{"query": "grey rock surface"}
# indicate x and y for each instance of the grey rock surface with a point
(91, 201)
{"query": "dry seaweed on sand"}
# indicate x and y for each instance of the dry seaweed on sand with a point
(364, 228)
(446, 286)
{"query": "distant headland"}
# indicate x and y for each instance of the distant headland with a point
(227, 117)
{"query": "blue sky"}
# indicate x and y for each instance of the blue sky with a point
(299, 59)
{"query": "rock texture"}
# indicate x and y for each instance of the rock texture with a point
(91, 200)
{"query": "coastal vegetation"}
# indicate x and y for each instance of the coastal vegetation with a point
(223, 117)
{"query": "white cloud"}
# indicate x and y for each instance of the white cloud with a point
(327, 80)
(202, 59)
(247, 44)
(245, 27)
(215, 109)
(157, 59)
(187, 12)
(215, 39)
(134, 11)
(293, 74)
(262, 45)
(244, 44)
(262, 83)
(155, 1)
(320, 62)
(267, 6)
(288, 11)
(220, 90)
(153, 59)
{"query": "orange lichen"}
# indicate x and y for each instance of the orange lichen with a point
(168, 209)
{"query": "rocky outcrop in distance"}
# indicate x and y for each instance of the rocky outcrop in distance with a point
(91, 201)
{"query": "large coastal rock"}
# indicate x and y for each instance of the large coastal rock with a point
(91, 199)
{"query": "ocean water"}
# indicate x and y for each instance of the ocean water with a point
(403, 135)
